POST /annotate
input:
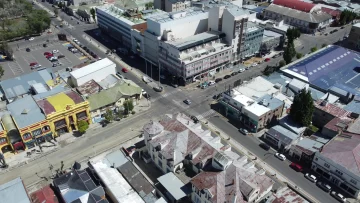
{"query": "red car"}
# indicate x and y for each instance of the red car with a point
(124, 70)
(296, 167)
(33, 63)
(49, 56)
(47, 53)
(267, 59)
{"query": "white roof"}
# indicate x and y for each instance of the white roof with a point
(256, 88)
(173, 185)
(244, 100)
(257, 109)
(116, 184)
(91, 68)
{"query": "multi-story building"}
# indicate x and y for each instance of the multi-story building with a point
(255, 103)
(253, 39)
(172, 26)
(270, 41)
(354, 36)
(30, 121)
(63, 110)
(306, 16)
(119, 23)
(198, 55)
(324, 112)
(171, 5)
(338, 162)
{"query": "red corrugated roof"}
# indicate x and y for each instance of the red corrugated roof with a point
(45, 194)
(332, 12)
(295, 4)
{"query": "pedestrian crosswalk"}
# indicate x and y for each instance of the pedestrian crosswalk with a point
(206, 114)
(165, 95)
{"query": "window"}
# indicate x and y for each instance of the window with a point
(326, 165)
(27, 136)
(353, 181)
(339, 172)
(46, 128)
(36, 132)
(3, 140)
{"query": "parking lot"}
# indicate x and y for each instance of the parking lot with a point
(23, 58)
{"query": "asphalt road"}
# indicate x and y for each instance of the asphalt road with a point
(168, 102)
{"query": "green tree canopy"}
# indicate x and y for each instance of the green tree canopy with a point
(282, 63)
(128, 106)
(299, 55)
(313, 49)
(82, 126)
(302, 108)
(289, 53)
(109, 115)
(93, 14)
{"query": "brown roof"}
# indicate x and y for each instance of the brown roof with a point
(338, 123)
(45, 194)
(90, 87)
(344, 149)
(354, 127)
(331, 109)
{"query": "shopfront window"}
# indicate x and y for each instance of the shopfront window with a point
(27, 136)
(3, 140)
(36, 132)
(81, 115)
(60, 124)
(45, 128)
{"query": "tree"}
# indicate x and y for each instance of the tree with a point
(61, 5)
(56, 12)
(302, 108)
(313, 49)
(299, 55)
(93, 14)
(82, 126)
(1, 71)
(128, 106)
(149, 5)
(282, 63)
(289, 53)
(292, 34)
(109, 115)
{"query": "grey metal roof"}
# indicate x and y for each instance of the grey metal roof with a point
(53, 91)
(108, 81)
(115, 159)
(289, 124)
(14, 191)
(21, 85)
(173, 185)
(196, 40)
(270, 101)
(308, 17)
(316, 94)
(282, 134)
(25, 112)
(353, 106)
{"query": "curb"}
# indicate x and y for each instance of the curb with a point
(228, 140)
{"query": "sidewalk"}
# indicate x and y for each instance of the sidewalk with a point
(20, 159)
(258, 161)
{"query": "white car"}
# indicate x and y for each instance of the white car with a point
(53, 58)
(312, 178)
(211, 83)
(338, 196)
(55, 51)
(36, 66)
(241, 70)
(254, 64)
(31, 39)
(280, 156)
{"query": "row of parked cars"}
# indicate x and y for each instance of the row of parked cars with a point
(54, 59)
(86, 49)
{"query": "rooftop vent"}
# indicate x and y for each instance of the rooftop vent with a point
(25, 111)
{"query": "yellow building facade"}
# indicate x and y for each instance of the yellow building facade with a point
(64, 110)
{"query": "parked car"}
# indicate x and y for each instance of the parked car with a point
(70, 47)
(124, 70)
(227, 76)
(311, 177)
(187, 101)
(28, 49)
(158, 88)
(57, 64)
(280, 156)
(47, 53)
(296, 167)
(323, 186)
(243, 131)
(234, 73)
(211, 83)
(342, 27)
(195, 119)
(254, 64)
(217, 80)
(52, 58)
(267, 59)
(61, 56)
(33, 63)
(49, 56)
(241, 70)
(35, 67)
(265, 146)
(55, 51)
(31, 39)
(119, 74)
(44, 45)
(338, 196)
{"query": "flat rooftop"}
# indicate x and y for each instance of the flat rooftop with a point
(168, 17)
(196, 40)
(332, 66)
